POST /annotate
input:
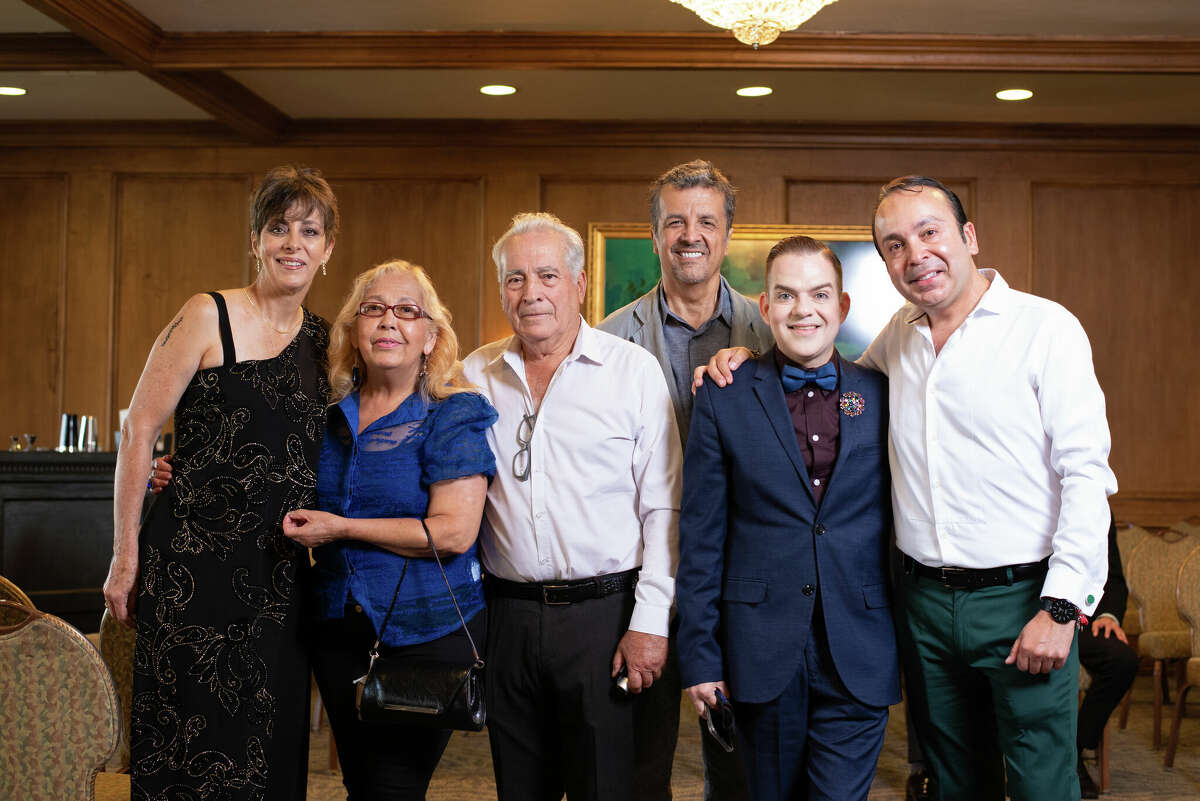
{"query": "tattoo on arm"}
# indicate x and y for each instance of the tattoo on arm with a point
(171, 330)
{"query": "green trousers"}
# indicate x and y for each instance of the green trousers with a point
(986, 720)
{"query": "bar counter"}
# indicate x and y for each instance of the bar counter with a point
(56, 530)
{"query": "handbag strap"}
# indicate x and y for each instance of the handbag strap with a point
(374, 653)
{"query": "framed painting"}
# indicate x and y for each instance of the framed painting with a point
(622, 266)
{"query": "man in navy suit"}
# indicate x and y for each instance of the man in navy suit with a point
(786, 518)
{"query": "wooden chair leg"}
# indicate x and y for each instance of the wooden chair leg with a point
(1159, 691)
(1103, 758)
(1173, 740)
(1123, 721)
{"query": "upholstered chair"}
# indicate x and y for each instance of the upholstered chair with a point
(1128, 536)
(1153, 569)
(58, 711)
(1187, 597)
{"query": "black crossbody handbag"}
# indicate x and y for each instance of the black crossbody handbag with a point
(410, 691)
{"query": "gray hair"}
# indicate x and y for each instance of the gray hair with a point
(528, 221)
(698, 173)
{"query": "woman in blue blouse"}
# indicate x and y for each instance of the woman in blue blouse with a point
(405, 441)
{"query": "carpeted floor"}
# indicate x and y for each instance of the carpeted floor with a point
(465, 772)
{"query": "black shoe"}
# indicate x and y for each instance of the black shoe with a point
(1087, 787)
(919, 787)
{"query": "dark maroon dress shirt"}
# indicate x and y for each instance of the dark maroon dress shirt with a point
(815, 420)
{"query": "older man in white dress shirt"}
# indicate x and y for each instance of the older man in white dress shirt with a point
(580, 531)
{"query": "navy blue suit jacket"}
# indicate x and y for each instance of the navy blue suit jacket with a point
(751, 537)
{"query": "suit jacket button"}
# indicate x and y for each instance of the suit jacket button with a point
(819, 528)
(808, 589)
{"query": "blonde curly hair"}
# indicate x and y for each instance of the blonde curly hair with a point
(442, 376)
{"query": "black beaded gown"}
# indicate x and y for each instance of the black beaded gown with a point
(221, 673)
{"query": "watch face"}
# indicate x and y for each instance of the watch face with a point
(1062, 610)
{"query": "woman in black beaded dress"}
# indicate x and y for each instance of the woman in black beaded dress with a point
(221, 675)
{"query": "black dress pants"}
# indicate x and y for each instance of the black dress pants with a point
(556, 722)
(1112, 665)
(380, 761)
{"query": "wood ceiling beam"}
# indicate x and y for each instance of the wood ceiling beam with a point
(52, 51)
(133, 41)
(610, 133)
(529, 51)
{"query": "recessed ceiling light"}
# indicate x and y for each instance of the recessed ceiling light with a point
(497, 89)
(14, 91)
(754, 91)
(1014, 94)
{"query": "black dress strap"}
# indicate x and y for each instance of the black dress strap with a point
(226, 332)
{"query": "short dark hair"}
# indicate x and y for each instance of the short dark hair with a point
(287, 186)
(688, 176)
(802, 246)
(915, 183)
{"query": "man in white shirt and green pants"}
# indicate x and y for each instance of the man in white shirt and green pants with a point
(1000, 478)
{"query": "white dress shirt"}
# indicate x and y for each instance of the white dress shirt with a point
(999, 443)
(605, 470)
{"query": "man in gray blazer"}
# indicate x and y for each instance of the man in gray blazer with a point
(691, 314)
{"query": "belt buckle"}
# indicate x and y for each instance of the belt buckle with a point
(548, 588)
(949, 576)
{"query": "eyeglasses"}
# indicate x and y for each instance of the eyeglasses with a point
(403, 311)
(521, 460)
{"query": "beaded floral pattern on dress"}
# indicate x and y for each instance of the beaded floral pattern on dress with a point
(220, 672)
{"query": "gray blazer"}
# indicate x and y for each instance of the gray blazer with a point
(641, 323)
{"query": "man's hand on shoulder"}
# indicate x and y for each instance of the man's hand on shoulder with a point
(1042, 645)
(721, 366)
(643, 655)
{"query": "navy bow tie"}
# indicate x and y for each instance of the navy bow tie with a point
(794, 377)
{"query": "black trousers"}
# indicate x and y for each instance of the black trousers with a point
(380, 761)
(1112, 665)
(556, 722)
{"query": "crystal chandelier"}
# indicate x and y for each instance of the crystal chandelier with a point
(755, 22)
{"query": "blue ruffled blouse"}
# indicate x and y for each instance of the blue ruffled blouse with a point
(386, 471)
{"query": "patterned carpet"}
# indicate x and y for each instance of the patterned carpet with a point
(465, 772)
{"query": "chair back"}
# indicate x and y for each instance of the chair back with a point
(1187, 596)
(58, 708)
(1153, 568)
(1189, 526)
(11, 592)
(116, 646)
(1127, 539)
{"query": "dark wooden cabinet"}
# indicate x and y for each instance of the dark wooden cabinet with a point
(56, 530)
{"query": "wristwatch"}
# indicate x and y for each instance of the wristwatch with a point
(1061, 610)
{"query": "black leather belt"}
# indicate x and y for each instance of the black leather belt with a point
(559, 593)
(970, 578)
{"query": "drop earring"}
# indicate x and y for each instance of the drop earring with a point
(424, 365)
(323, 269)
(258, 263)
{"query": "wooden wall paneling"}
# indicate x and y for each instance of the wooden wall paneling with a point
(849, 201)
(34, 230)
(507, 191)
(1003, 227)
(88, 300)
(1121, 258)
(434, 222)
(586, 199)
(176, 235)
